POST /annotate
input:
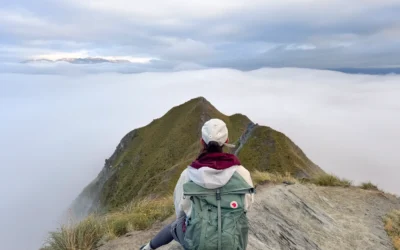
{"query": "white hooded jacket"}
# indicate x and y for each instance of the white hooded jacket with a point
(209, 178)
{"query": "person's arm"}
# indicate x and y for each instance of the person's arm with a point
(178, 194)
(249, 199)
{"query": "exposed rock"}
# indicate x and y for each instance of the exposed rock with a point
(304, 217)
(245, 136)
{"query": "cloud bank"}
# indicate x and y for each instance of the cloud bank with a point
(57, 130)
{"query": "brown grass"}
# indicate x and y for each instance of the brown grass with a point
(392, 227)
(264, 177)
(82, 236)
(140, 215)
(86, 234)
(369, 186)
(331, 180)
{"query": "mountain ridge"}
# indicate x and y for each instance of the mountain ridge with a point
(131, 198)
(148, 160)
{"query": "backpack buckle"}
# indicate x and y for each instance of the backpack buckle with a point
(218, 194)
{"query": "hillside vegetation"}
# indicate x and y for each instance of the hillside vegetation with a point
(134, 189)
(392, 227)
(269, 150)
(149, 160)
(330, 180)
(154, 156)
(306, 217)
(88, 233)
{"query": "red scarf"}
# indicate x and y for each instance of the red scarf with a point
(216, 161)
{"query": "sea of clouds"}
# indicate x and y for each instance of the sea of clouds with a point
(57, 130)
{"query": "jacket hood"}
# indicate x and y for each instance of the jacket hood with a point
(216, 161)
(213, 170)
(211, 178)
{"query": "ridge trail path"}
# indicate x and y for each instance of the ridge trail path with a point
(303, 217)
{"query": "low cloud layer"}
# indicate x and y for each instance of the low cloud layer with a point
(57, 130)
(234, 34)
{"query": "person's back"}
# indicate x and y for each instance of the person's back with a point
(218, 215)
(212, 197)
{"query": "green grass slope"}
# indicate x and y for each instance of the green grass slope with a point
(269, 150)
(155, 155)
(148, 160)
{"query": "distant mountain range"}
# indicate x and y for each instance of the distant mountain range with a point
(85, 60)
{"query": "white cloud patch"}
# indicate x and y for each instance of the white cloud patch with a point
(34, 50)
(62, 43)
(57, 130)
(18, 52)
(300, 47)
(60, 55)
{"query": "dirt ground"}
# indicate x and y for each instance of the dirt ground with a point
(303, 217)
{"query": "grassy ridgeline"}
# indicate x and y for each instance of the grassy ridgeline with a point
(86, 234)
(152, 160)
(149, 160)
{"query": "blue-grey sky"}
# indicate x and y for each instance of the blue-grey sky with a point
(174, 35)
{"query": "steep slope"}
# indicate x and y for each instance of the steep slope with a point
(304, 217)
(149, 160)
(266, 149)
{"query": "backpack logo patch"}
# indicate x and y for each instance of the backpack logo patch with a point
(234, 204)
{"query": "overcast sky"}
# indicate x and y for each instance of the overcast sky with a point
(170, 35)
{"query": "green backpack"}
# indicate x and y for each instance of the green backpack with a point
(218, 219)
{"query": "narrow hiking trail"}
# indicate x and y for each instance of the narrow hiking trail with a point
(300, 217)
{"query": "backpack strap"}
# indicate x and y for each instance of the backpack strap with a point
(218, 196)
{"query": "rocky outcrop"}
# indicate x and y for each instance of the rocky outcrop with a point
(245, 136)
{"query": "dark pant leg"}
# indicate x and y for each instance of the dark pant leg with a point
(162, 238)
(177, 231)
